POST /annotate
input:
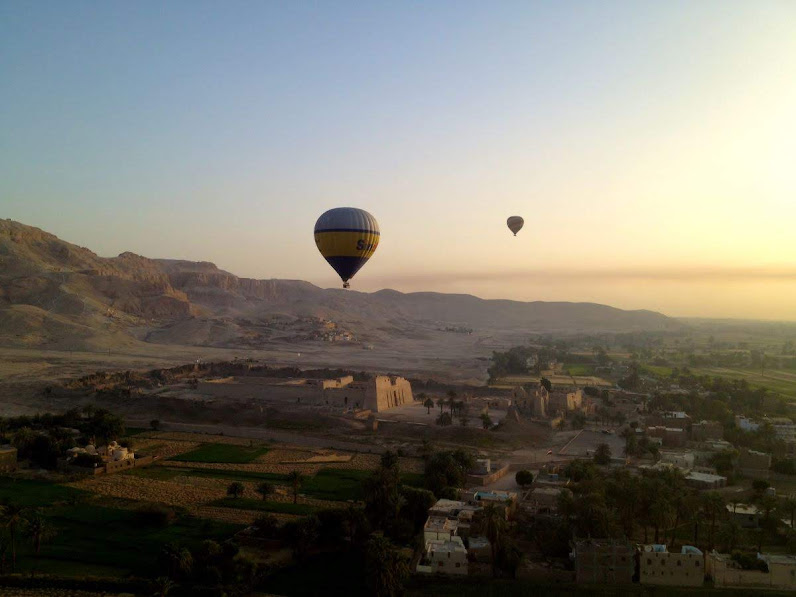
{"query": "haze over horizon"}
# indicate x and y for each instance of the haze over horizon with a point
(649, 147)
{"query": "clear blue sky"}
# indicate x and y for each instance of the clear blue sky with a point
(649, 145)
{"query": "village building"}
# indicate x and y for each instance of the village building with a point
(444, 557)
(657, 566)
(672, 419)
(481, 497)
(746, 516)
(440, 528)
(8, 459)
(726, 572)
(460, 512)
(701, 480)
(543, 500)
(753, 464)
(671, 437)
(684, 460)
(746, 424)
(604, 561)
(707, 430)
(784, 428)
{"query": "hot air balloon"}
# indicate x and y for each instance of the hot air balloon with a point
(515, 224)
(346, 237)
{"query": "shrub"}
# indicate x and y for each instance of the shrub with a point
(155, 515)
(236, 489)
(523, 478)
(267, 526)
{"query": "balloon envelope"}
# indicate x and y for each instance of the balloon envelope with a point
(515, 224)
(346, 237)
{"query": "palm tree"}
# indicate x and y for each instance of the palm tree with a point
(163, 585)
(39, 531)
(265, 489)
(788, 508)
(494, 523)
(386, 569)
(486, 422)
(451, 400)
(661, 512)
(295, 478)
(177, 560)
(440, 403)
(729, 535)
(13, 517)
(428, 403)
(714, 508)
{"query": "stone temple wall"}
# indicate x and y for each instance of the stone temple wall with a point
(387, 392)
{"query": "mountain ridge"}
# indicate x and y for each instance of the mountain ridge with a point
(56, 294)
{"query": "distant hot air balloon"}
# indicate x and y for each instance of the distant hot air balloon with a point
(515, 224)
(346, 237)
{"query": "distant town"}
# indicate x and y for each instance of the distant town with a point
(573, 466)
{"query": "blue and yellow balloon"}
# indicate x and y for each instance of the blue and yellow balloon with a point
(346, 237)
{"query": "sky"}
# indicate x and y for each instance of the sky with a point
(650, 146)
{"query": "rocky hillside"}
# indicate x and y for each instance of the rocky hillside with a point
(55, 294)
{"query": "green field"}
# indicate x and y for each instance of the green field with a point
(266, 506)
(657, 370)
(778, 381)
(335, 484)
(579, 369)
(328, 484)
(93, 539)
(36, 494)
(222, 453)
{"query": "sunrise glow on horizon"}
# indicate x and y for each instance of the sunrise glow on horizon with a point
(650, 147)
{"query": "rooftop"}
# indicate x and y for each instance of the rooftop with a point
(444, 504)
(686, 549)
(546, 491)
(453, 545)
(676, 414)
(707, 477)
(478, 542)
(743, 509)
(439, 524)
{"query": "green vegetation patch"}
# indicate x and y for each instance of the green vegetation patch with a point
(657, 370)
(133, 431)
(579, 369)
(36, 494)
(335, 484)
(342, 485)
(223, 453)
(90, 536)
(266, 506)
